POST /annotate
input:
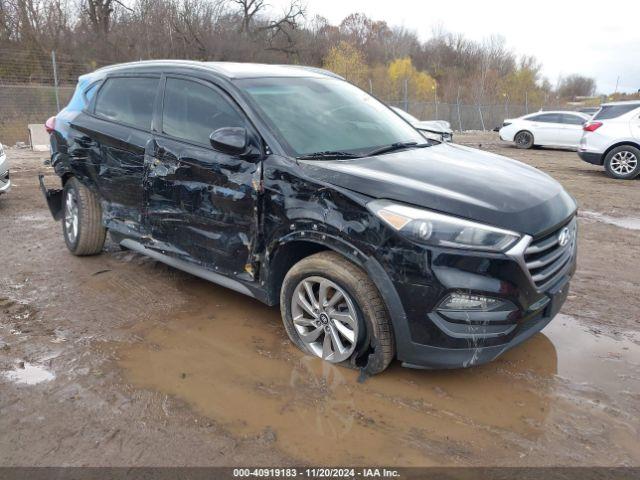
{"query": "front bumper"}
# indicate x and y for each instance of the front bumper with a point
(433, 357)
(428, 337)
(591, 157)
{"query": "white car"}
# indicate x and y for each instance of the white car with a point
(5, 182)
(612, 139)
(434, 129)
(545, 129)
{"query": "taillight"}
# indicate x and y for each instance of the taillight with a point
(591, 126)
(50, 125)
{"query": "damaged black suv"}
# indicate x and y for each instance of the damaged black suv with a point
(290, 185)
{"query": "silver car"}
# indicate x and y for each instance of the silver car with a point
(5, 182)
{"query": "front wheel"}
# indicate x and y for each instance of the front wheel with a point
(623, 162)
(524, 139)
(82, 223)
(331, 309)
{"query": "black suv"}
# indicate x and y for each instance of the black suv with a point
(290, 185)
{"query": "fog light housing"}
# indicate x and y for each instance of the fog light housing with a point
(473, 302)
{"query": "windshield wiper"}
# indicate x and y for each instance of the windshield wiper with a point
(396, 146)
(328, 155)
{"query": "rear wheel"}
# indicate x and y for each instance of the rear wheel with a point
(523, 139)
(623, 162)
(331, 309)
(82, 223)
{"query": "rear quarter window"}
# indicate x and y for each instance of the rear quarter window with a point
(613, 111)
(128, 100)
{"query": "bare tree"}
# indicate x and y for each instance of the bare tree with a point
(100, 13)
(278, 32)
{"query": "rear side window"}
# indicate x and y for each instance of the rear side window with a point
(192, 111)
(572, 119)
(546, 118)
(128, 100)
(614, 111)
(90, 92)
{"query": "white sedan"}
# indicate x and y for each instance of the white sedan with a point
(553, 129)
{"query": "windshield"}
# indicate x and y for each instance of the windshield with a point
(325, 114)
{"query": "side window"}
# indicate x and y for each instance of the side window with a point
(546, 118)
(90, 92)
(192, 111)
(128, 100)
(572, 119)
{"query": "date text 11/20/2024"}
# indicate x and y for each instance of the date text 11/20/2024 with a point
(315, 473)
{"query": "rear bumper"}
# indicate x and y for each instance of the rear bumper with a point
(590, 157)
(53, 196)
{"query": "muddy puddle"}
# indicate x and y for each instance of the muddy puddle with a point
(554, 400)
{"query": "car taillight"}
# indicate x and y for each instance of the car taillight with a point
(50, 125)
(506, 124)
(591, 126)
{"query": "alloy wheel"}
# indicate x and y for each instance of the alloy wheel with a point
(623, 163)
(325, 318)
(523, 139)
(71, 218)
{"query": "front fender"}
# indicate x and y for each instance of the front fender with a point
(369, 264)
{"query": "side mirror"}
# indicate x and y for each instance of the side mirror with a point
(231, 140)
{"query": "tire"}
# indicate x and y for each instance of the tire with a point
(523, 139)
(82, 222)
(373, 348)
(623, 162)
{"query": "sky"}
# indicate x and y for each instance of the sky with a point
(599, 39)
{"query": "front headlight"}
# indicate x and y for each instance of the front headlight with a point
(431, 228)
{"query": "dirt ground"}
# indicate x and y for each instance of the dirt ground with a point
(119, 360)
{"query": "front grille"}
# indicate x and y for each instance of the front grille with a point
(546, 259)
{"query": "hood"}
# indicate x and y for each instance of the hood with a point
(437, 126)
(457, 180)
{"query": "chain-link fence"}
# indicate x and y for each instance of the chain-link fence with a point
(29, 103)
(469, 117)
(34, 88)
(21, 105)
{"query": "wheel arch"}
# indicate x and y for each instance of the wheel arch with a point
(524, 130)
(287, 251)
(621, 144)
(290, 249)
